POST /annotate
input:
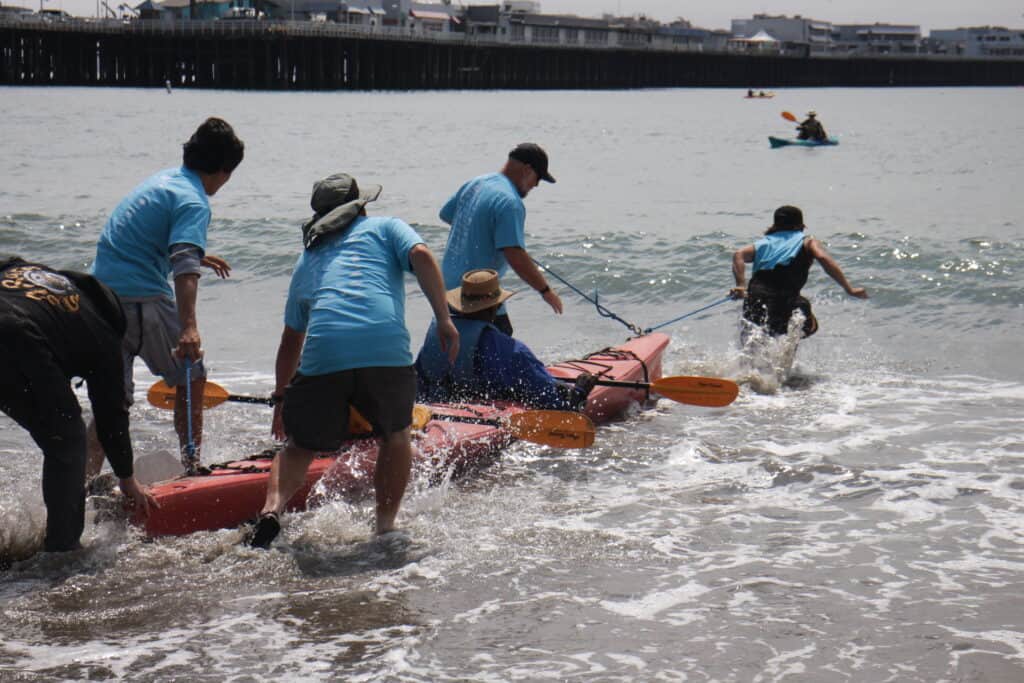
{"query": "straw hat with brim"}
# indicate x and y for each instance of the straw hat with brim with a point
(337, 201)
(480, 289)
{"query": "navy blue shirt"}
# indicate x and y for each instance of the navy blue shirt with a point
(496, 368)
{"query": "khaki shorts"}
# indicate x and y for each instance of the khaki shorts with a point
(152, 332)
(316, 407)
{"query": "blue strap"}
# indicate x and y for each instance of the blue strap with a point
(605, 313)
(683, 317)
(190, 447)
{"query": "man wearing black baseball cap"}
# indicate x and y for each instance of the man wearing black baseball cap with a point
(488, 224)
(533, 156)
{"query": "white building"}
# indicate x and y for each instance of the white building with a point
(796, 34)
(877, 39)
(978, 41)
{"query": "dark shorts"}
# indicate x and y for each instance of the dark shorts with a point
(316, 407)
(773, 313)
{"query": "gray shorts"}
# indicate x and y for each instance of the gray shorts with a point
(152, 334)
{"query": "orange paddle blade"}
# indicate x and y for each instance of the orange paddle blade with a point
(709, 392)
(162, 396)
(357, 424)
(555, 428)
(421, 415)
(789, 117)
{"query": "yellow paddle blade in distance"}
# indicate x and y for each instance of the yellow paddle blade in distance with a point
(555, 428)
(162, 396)
(421, 415)
(709, 392)
(357, 424)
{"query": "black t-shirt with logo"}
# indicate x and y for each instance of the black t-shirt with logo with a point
(72, 320)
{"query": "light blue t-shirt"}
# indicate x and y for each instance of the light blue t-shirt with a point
(348, 296)
(486, 214)
(777, 249)
(133, 252)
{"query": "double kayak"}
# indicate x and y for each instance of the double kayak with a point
(457, 438)
(785, 142)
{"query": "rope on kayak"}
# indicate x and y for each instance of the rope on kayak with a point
(683, 317)
(604, 312)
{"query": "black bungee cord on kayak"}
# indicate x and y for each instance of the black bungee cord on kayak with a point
(605, 313)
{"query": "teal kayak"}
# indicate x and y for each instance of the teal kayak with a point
(782, 142)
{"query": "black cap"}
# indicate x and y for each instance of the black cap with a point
(534, 157)
(788, 218)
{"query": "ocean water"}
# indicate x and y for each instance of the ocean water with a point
(861, 521)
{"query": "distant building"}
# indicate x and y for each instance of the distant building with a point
(681, 35)
(422, 17)
(877, 39)
(200, 10)
(796, 34)
(12, 11)
(978, 41)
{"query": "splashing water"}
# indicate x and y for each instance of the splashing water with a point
(765, 362)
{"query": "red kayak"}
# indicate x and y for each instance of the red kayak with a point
(456, 438)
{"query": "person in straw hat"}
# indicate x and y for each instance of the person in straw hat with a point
(345, 344)
(811, 128)
(490, 364)
(782, 260)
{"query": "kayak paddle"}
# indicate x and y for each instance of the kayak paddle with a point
(161, 395)
(789, 117)
(710, 392)
(554, 428)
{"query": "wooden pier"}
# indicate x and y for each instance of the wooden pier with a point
(269, 55)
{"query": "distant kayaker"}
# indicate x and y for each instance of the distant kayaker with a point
(811, 128)
(488, 220)
(491, 366)
(345, 344)
(54, 326)
(782, 260)
(158, 230)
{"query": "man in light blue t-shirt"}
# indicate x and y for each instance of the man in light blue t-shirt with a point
(488, 220)
(345, 345)
(159, 230)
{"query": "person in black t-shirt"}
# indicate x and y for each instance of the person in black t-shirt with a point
(54, 326)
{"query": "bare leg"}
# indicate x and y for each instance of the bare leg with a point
(180, 423)
(287, 475)
(391, 476)
(94, 451)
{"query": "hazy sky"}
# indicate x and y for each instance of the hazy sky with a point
(928, 14)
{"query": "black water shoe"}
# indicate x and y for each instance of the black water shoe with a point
(265, 531)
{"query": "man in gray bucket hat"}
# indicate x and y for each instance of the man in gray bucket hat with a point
(345, 345)
(337, 201)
